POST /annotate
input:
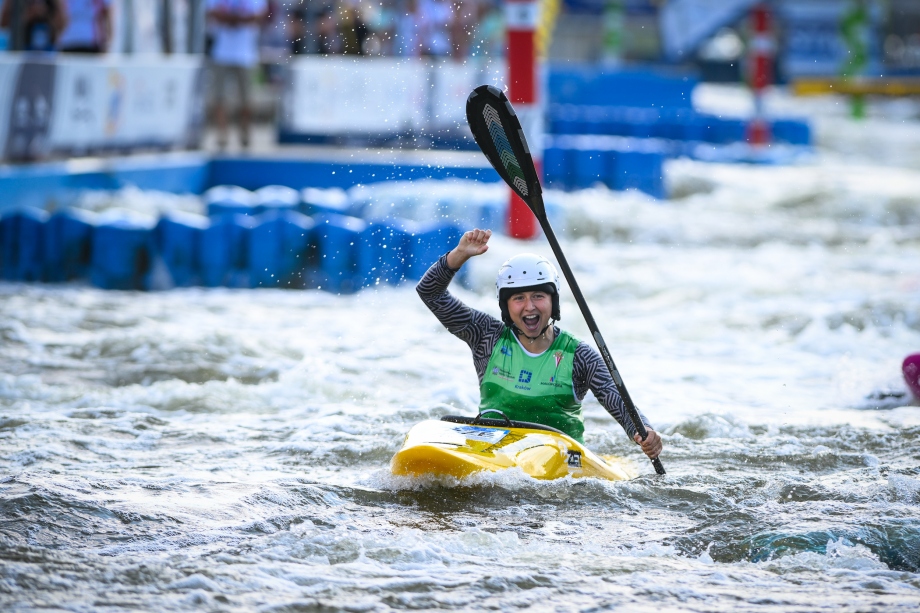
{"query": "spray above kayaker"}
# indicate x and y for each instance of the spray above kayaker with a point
(528, 368)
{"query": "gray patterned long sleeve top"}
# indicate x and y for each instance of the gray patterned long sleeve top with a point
(481, 332)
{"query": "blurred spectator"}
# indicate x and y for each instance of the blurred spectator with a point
(466, 16)
(89, 27)
(406, 36)
(351, 28)
(41, 22)
(438, 28)
(298, 30)
(488, 37)
(234, 55)
(326, 39)
(381, 22)
(435, 21)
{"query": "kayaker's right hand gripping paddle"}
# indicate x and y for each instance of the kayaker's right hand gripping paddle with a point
(498, 133)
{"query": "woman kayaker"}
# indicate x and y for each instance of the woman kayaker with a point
(528, 367)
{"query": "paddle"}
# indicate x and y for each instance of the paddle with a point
(498, 133)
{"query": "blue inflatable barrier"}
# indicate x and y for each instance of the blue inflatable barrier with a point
(565, 119)
(123, 253)
(688, 126)
(279, 249)
(428, 242)
(223, 251)
(556, 162)
(178, 237)
(315, 201)
(383, 252)
(338, 240)
(22, 233)
(298, 248)
(722, 130)
(276, 198)
(637, 88)
(794, 132)
(640, 170)
(68, 245)
(491, 215)
(230, 199)
(590, 165)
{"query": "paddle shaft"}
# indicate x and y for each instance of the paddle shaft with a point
(592, 325)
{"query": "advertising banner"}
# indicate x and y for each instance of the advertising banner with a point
(329, 96)
(340, 96)
(30, 111)
(9, 72)
(78, 105)
(822, 36)
(451, 83)
(113, 103)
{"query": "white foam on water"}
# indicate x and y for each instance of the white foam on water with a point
(191, 445)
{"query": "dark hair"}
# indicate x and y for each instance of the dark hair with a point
(505, 294)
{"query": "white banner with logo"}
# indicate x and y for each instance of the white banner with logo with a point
(337, 96)
(72, 105)
(123, 101)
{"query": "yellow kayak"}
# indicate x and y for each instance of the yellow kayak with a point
(460, 446)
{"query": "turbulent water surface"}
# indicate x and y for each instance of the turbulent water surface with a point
(228, 450)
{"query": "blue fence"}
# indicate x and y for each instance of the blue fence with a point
(635, 106)
(680, 124)
(279, 247)
(588, 85)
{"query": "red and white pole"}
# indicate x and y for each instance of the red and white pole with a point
(524, 93)
(761, 53)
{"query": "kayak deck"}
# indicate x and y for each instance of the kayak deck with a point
(457, 447)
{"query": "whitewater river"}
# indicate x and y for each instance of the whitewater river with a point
(228, 450)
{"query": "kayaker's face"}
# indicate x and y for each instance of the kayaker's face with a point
(530, 311)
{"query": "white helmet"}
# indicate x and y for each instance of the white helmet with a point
(526, 272)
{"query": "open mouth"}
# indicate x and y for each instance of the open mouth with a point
(531, 322)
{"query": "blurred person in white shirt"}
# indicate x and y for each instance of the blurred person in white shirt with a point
(234, 27)
(435, 21)
(89, 27)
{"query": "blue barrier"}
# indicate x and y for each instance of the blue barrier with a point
(230, 199)
(178, 239)
(794, 132)
(22, 233)
(298, 248)
(589, 164)
(315, 201)
(338, 238)
(276, 197)
(619, 163)
(428, 242)
(223, 251)
(723, 131)
(639, 88)
(122, 254)
(681, 124)
(491, 215)
(68, 245)
(640, 170)
(279, 249)
(556, 161)
(383, 252)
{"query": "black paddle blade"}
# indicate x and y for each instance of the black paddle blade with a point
(498, 133)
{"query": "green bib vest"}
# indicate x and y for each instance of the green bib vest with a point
(534, 388)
